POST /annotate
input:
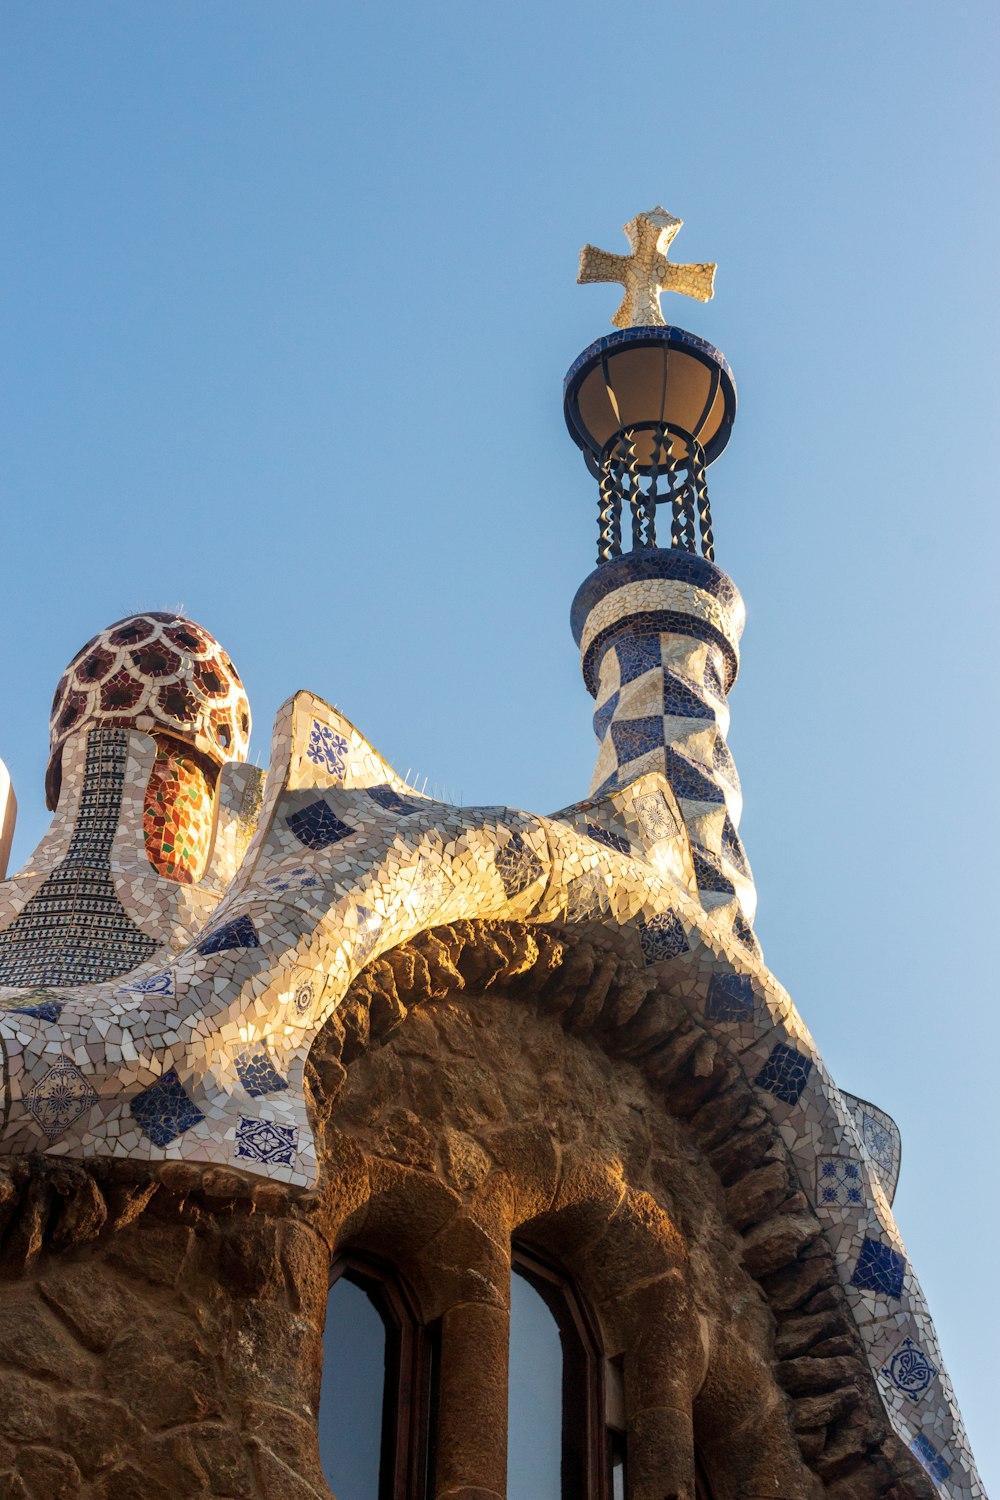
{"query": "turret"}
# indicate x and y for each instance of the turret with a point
(658, 623)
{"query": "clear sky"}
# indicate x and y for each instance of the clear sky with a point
(288, 294)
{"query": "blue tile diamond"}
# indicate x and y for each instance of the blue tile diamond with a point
(730, 998)
(604, 715)
(713, 681)
(634, 737)
(637, 655)
(616, 841)
(257, 1071)
(47, 1011)
(299, 879)
(369, 928)
(709, 873)
(785, 1074)
(732, 848)
(682, 699)
(925, 1452)
(430, 887)
(609, 784)
(879, 1269)
(164, 1111)
(317, 827)
(240, 933)
(689, 779)
(722, 760)
(43, 1004)
(391, 801)
(744, 934)
(586, 898)
(517, 866)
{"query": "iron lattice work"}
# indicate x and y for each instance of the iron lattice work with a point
(644, 466)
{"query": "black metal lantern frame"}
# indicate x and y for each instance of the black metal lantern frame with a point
(667, 424)
(644, 466)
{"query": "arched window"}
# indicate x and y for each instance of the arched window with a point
(561, 1444)
(376, 1387)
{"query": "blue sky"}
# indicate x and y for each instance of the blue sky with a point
(288, 298)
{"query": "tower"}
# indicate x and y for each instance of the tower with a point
(657, 623)
(268, 1039)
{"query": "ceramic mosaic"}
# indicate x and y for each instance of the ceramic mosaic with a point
(197, 1050)
(148, 1013)
(157, 672)
(659, 635)
(74, 927)
(177, 822)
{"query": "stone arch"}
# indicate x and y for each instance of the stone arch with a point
(175, 1310)
(811, 1390)
(451, 1182)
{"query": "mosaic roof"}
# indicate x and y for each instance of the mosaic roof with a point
(157, 672)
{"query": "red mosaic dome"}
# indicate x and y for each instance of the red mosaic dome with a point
(157, 672)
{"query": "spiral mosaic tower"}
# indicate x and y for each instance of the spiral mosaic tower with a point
(657, 622)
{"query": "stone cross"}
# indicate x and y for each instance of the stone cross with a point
(646, 272)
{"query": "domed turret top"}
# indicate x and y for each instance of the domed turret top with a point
(158, 672)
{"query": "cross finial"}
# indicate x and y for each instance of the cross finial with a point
(646, 272)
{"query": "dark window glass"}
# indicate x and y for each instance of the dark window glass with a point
(617, 1466)
(375, 1394)
(534, 1418)
(558, 1446)
(352, 1393)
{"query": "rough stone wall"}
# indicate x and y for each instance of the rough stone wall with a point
(155, 1343)
(160, 1330)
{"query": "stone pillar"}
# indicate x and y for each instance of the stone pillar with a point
(472, 1424)
(463, 1277)
(662, 1364)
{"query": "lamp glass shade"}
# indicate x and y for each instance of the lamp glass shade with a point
(656, 375)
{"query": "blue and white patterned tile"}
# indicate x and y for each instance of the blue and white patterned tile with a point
(265, 1142)
(909, 1370)
(60, 1097)
(839, 1183)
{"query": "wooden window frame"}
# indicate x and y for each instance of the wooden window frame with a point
(408, 1393)
(586, 1435)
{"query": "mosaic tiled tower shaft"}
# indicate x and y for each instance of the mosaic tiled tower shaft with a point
(658, 632)
(658, 623)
